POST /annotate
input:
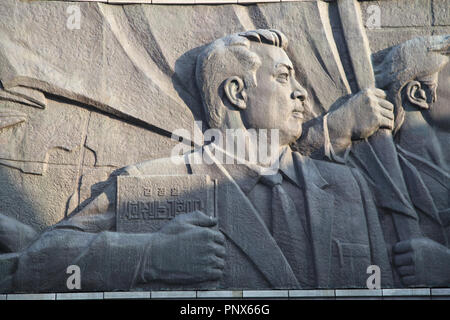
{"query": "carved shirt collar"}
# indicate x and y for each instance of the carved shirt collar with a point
(247, 174)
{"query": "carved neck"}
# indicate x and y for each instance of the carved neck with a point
(418, 136)
(267, 152)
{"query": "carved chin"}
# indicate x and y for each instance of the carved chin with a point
(299, 134)
(293, 134)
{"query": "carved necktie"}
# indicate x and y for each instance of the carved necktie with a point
(287, 227)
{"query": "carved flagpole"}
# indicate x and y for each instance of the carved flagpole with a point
(380, 147)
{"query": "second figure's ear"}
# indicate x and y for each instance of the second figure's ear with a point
(416, 95)
(234, 90)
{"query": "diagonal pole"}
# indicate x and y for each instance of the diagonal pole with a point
(379, 149)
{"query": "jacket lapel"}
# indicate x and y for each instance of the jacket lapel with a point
(419, 193)
(320, 214)
(241, 223)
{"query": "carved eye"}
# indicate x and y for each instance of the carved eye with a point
(283, 77)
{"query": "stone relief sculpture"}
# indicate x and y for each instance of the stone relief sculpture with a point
(327, 252)
(328, 204)
(411, 86)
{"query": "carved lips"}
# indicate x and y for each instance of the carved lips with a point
(298, 111)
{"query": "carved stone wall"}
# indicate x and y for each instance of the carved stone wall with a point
(80, 153)
(84, 96)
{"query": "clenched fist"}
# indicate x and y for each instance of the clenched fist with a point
(360, 117)
(422, 262)
(187, 250)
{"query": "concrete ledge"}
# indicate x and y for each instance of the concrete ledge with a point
(173, 294)
(419, 293)
(440, 292)
(33, 296)
(129, 1)
(265, 294)
(219, 294)
(87, 0)
(80, 296)
(127, 295)
(311, 293)
(215, 1)
(173, 1)
(358, 293)
(425, 292)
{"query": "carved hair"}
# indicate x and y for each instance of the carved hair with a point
(226, 57)
(411, 60)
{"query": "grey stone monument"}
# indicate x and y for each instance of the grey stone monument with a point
(290, 145)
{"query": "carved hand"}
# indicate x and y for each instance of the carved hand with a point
(187, 250)
(422, 261)
(360, 117)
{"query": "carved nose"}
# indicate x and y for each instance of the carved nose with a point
(299, 94)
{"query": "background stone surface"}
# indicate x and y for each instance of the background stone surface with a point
(114, 90)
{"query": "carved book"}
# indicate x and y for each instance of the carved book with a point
(147, 203)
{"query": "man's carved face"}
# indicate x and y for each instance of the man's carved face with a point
(439, 111)
(278, 100)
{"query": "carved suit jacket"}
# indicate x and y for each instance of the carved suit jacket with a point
(423, 201)
(429, 188)
(343, 222)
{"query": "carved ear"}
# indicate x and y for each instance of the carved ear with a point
(234, 90)
(416, 95)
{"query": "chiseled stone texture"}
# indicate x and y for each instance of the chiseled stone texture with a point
(53, 135)
(38, 201)
(441, 13)
(104, 65)
(400, 13)
(380, 39)
(39, 161)
(116, 143)
(59, 157)
(383, 38)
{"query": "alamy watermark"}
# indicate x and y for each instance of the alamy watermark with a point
(373, 17)
(374, 280)
(74, 280)
(74, 17)
(231, 146)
